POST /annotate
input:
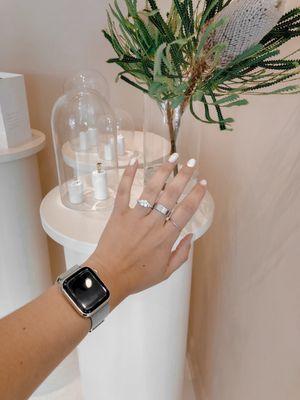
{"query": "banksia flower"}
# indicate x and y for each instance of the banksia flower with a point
(246, 22)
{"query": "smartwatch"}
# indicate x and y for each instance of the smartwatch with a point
(86, 292)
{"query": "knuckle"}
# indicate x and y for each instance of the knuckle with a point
(199, 193)
(167, 272)
(149, 190)
(186, 258)
(127, 173)
(172, 191)
(166, 276)
(187, 172)
(122, 191)
(165, 169)
(188, 207)
(199, 190)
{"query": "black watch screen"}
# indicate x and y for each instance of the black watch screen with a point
(86, 290)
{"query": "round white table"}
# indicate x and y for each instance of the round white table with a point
(138, 353)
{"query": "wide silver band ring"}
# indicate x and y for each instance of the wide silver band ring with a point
(165, 211)
(174, 223)
(145, 204)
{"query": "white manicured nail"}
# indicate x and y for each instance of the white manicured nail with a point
(133, 161)
(203, 182)
(191, 163)
(173, 158)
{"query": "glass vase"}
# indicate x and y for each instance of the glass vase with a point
(162, 125)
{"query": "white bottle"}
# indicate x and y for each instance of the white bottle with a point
(75, 191)
(99, 179)
(108, 151)
(121, 144)
(92, 135)
(83, 141)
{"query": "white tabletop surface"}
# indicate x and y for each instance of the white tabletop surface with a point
(86, 161)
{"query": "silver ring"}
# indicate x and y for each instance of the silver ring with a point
(144, 203)
(174, 224)
(166, 212)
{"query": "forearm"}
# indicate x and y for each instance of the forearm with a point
(34, 340)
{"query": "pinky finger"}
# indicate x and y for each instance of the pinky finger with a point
(180, 255)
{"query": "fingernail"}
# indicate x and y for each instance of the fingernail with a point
(133, 161)
(191, 163)
(203, 182)
(173, 158)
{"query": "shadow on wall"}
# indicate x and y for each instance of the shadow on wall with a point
(245, 322)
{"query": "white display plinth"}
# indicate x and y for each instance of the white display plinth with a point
(24, 260)
(138, 353)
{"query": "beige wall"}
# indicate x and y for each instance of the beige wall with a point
(245, 319)
(48, 41)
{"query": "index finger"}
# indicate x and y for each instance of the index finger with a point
(124, 189)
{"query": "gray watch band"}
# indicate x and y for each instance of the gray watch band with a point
(97, 317)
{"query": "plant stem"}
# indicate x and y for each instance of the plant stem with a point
(172, 132)
(174, 125)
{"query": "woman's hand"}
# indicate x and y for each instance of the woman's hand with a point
(135, 249)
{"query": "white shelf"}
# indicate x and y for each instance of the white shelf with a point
(25, 150)
(85, 161)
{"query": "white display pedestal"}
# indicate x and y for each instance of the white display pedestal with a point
(24, 260)
(138, 353)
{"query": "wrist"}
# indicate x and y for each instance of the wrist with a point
(111, 280)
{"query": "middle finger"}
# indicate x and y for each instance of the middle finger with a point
(156, 184)
(174, 190)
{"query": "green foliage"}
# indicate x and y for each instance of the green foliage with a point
(171, 57)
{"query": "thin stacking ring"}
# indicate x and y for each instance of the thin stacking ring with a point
(166, 212)
(174, 224)
(145, 204)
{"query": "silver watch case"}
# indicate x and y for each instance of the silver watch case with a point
(99, 314)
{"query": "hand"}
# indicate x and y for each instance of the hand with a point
(135, 249)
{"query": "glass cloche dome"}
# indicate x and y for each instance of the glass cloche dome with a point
(84, 136)
(129, 141)
(88, 80)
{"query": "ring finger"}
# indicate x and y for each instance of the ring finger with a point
(185, 210)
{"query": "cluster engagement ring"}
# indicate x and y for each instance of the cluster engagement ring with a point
(145, 204)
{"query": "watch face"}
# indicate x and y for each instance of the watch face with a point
(86, 290)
